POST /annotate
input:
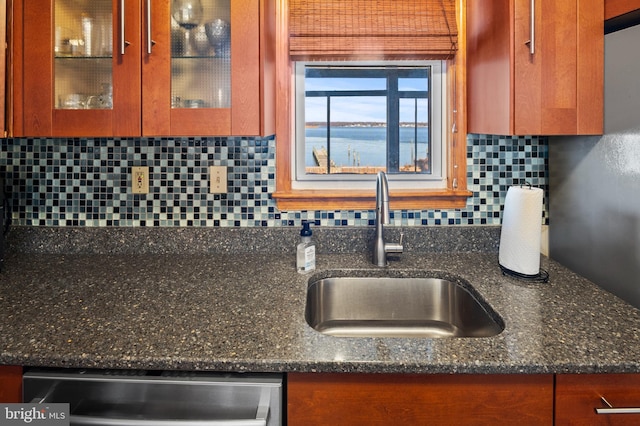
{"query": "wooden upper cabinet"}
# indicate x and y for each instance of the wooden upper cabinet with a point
(90, 68)
(3, 68)
(615, 8)
(535, 72)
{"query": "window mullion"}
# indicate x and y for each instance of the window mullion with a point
(328, 134)
(393, 123)
(415, 135)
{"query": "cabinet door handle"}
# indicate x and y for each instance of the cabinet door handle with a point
(610, 409)
(123, 42)
(150, 42)
(532, 29)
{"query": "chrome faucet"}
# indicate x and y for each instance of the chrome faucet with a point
(380, 248)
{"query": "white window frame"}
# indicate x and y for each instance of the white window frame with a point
(437, 179)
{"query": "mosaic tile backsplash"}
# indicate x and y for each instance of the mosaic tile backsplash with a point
(86, 182)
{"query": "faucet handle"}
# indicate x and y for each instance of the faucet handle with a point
(395, 248)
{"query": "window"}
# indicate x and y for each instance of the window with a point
(354, 119)
(335, 38)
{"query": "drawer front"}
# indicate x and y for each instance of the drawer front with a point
(414, 399)
(579, 399)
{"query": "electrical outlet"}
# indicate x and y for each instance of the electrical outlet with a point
(140, 180)
(217, 179)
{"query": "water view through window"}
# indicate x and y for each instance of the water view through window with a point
(363, 120)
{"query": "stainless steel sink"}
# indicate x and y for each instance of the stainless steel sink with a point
(398, 307)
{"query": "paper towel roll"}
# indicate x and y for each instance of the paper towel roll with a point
(521, 230)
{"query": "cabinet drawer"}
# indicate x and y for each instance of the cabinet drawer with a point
(419, 399)
(578, 396)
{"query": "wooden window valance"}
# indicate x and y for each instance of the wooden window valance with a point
(371, 29)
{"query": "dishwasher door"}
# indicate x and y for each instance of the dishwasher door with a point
(142, 398)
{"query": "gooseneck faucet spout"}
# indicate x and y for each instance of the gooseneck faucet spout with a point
(380, 248)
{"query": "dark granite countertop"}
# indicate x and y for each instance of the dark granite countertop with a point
(238, 310)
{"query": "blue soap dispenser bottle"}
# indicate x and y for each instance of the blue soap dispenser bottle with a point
(306, 251)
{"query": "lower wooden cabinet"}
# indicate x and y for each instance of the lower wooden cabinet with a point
(578, 396)
(416, 399)
(456, 399)
(10, 383)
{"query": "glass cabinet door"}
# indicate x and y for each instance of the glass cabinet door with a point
(200, 54)
(142, 67)
(187, 85)
(83, 54)
(72, 77)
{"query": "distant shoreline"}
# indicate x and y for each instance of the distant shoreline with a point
(316, 124)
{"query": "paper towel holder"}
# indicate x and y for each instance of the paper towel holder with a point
(542, 276)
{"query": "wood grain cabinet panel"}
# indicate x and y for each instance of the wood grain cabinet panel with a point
(577, 396)
(615, 8)
(535, 71)
(3, 67)
(413, 399)
(142, 80)
(10, 384)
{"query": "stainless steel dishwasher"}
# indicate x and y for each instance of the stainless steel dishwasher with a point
(145, 398)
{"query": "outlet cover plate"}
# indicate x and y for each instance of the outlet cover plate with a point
(218, 179)
(140, 180)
